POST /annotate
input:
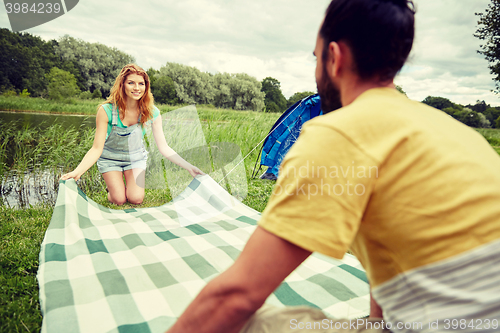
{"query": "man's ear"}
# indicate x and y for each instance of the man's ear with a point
(335, 59)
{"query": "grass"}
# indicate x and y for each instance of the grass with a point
(492, 135)
(60, 149)
(21, 233)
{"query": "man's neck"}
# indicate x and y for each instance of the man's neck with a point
(355, 87)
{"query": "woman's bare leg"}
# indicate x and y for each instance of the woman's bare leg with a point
(135, 179)
(116, 187)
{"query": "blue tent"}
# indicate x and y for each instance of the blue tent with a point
(285, 132)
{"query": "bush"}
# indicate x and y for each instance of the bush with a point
(272, 107)
(62, 84)
(297, 97)
(492, 114)
(452, 111)
(24, 93)
(483, 121)
(85, 95)
(97, 94)
(497, 123)
(163, 89)
(9, 93)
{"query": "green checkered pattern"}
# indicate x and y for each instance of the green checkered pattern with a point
(136, 270)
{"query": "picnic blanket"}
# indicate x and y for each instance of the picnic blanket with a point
(136, 270)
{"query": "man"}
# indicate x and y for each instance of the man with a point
(412, 192)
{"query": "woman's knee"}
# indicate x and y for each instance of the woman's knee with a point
(117, 199)
(135, 198)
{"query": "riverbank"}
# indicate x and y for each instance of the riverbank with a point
(74, 106)
(40, 105)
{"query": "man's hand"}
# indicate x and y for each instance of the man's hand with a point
(229, 300)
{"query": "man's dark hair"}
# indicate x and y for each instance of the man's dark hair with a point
(378, 32)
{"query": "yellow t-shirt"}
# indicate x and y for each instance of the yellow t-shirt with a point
(401, 184)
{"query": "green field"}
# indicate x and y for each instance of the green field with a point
(59, 149)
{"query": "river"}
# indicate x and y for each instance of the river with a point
(29, 188)
(44, 120)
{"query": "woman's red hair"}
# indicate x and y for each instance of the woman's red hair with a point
(118, 97)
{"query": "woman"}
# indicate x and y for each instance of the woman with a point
(118, 146)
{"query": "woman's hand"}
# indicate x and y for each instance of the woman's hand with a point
(194, 171)
(73, 174)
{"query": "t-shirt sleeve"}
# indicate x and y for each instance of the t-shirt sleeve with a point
(156, 112)
(324, 185)
(109, 111)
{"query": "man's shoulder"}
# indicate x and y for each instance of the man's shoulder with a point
(376, 111)
(380, 120)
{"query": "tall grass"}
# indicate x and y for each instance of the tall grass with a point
(492, 135)
(32, 161)
(247, 129)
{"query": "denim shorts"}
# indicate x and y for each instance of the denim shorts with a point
(104, 165)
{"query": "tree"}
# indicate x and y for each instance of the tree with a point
(492, 114)
(152, 74)
(163, 89)
(272, 88)
(438, 102)
(96, 94)
(272, 107)
(24, 61)
(62, 84)
(489, 31)
(480, 106)
(498, 122)
(238, 91)
(98, 64)
(471, 118)
(191, 85)
(483, 122)
(298, 96)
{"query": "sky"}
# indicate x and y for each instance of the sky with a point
(276, 38)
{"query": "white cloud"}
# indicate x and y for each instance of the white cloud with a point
(276, 38)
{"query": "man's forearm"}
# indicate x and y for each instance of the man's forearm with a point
(375, 309)
(229, 300)
(218, 308)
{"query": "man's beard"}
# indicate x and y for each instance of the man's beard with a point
(329, 94)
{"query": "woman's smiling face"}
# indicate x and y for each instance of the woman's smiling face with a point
(135, 86)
